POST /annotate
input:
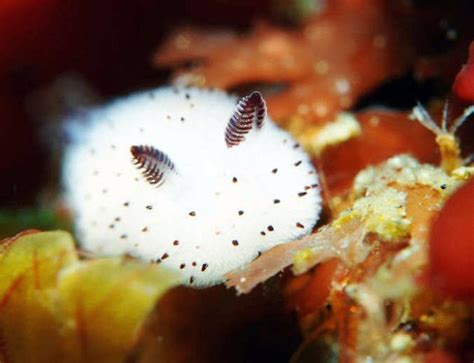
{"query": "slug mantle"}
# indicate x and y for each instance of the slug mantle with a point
(188, 178)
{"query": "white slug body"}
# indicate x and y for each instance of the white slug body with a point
(213, 209)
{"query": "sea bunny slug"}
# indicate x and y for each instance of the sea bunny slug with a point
(188, 178)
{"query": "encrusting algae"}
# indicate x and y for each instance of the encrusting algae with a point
(379, 202)
(316, 138)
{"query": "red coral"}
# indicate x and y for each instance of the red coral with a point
(440, 356)
(452, 245)
(463, 85)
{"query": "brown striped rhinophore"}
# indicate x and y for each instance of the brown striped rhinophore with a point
(155, 163)
(250, 109)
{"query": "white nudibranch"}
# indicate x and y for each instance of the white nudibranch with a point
(188, 178)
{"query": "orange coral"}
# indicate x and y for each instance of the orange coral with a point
(384, 134)
(328, 63)
(329, 242)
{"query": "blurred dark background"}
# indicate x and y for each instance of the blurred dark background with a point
(110, 43)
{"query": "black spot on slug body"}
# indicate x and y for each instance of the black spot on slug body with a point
(235, 242)
(302, 194)
(204, 267)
